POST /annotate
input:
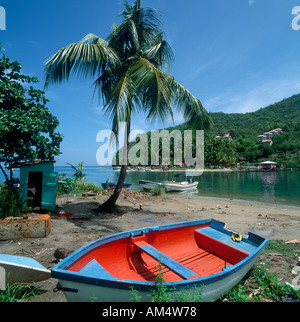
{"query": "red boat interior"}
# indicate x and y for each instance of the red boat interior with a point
(179, 254)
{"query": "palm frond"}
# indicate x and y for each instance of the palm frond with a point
(86, 59)
(193, 110)
(159, 52)
(147, 20)
(153, 87)
(125, 38)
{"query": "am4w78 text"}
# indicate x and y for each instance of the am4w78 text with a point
(171, 311)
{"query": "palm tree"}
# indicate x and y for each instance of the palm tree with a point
(128, 67)
(78, 174)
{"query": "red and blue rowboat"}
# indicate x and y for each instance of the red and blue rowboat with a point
(199, 254)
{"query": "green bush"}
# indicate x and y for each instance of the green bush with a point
(11, 204)
(65, 185)
(75, 186)
(157, 191)
(81, 187)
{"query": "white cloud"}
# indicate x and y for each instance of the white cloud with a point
(258, 97)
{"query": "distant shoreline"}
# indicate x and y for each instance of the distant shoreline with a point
(182, 170)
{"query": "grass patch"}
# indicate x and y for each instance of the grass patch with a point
(278, 246)
(80, 187)
(157, 191)
(19, 293)
(267, 289)
(263, 286)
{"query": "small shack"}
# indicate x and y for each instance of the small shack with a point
(268, 165)
(38, 184)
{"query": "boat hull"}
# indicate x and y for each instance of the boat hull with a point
(148, 185)
(114, 184)
(94, 283)
(177, 186)
(20, 269)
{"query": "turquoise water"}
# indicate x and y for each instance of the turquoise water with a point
(270, 187)
(281, 187)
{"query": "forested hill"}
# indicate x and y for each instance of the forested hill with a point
(245, 129)
(284, 114)
(245, 147)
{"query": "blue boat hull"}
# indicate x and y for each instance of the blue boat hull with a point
(114, 184)
(148, 185)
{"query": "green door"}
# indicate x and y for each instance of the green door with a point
(49, 190)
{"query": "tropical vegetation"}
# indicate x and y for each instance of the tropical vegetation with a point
(11, 203)
(244, 128)
(27, 127)
(245, 148)
(76, 183)
(78, 174)
(128, 72)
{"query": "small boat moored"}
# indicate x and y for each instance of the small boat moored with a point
(201, 254)
(106, 185)
(188, 184)
(148, 185)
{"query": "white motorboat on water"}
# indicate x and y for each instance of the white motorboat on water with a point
(188, 184)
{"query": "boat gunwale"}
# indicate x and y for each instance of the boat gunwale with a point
(59, 271)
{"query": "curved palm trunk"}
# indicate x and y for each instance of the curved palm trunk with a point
(109, 205)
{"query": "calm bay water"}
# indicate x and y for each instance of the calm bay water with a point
(281, 187)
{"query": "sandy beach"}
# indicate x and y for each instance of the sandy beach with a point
(276, 222)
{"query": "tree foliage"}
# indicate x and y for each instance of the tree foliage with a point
(27, 127)
(245, 128)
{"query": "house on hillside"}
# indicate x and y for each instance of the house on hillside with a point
(268, 142)
(278, 131)
(261, 138)
(227, 137)
(267, 136)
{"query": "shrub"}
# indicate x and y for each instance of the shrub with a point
(11, 204)
(157, 191)
(69, 185)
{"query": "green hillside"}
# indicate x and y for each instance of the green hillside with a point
(284, 114)
(245, 128)
(245, 148)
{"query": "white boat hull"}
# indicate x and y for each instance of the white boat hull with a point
(17, 269)
(179, 186)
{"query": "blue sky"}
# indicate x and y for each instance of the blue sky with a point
(234, 55)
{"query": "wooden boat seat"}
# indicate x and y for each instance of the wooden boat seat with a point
(226, 239)
(94, 269)
(221, 245)
(165, 260)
